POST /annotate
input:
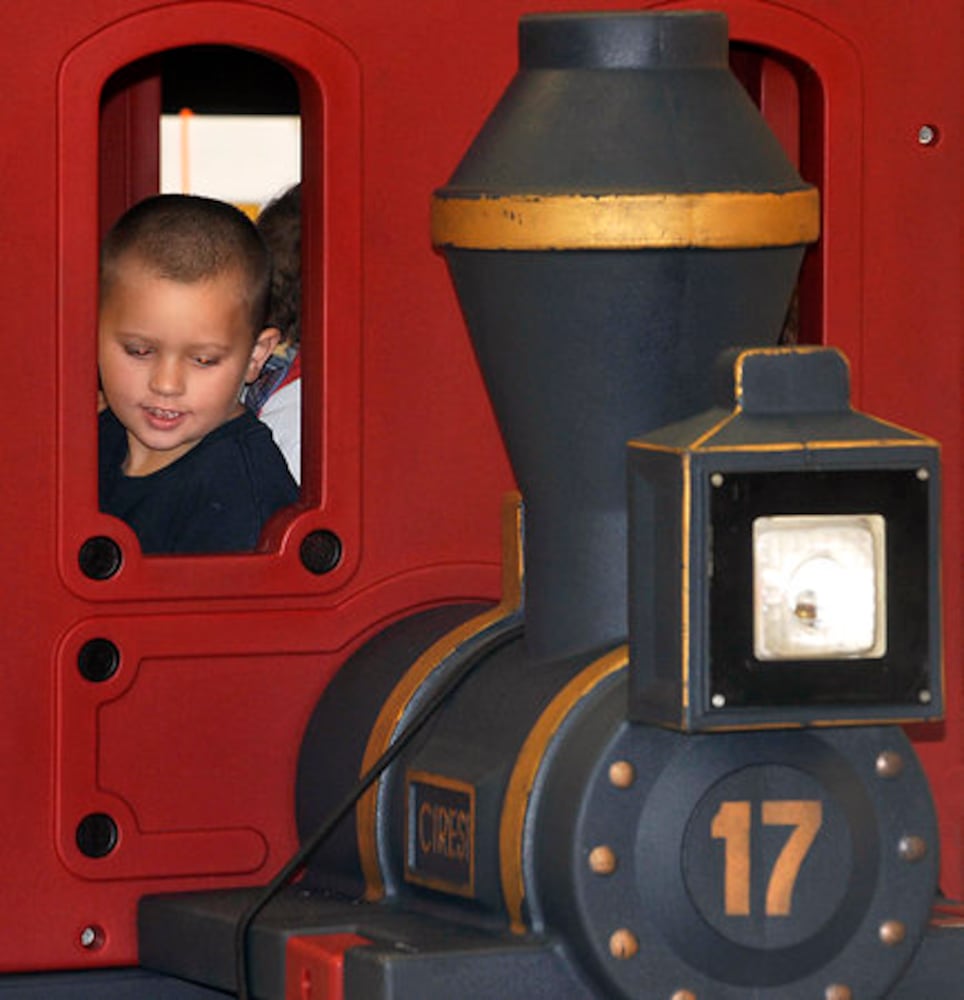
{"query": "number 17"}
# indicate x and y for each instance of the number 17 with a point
(731, 824)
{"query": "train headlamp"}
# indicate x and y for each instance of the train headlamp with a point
(819, 587)
(784, 558)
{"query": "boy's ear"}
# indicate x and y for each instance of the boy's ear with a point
(267, 341)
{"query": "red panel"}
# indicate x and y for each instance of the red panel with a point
(191, 747)
(314, 966)
(780, 104)
(193, 743)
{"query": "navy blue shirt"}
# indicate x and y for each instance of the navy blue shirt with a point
(214, 498)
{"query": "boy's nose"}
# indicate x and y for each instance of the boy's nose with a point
(167, 379)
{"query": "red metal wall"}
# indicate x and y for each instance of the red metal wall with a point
(191, 746)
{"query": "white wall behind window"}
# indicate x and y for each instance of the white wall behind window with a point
(244, 159)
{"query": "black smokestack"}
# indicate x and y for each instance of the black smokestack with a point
(623, 216)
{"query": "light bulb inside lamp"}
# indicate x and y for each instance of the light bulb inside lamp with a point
(819, 587)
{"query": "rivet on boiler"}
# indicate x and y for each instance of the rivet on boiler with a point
(837, 991)
(623, 944)
(889, 764)
(892, 932)
(602, 860)
(622, 774)
(912, 848)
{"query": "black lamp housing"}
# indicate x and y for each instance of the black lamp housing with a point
(789, 446)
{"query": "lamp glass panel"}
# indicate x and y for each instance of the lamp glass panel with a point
(819, 587)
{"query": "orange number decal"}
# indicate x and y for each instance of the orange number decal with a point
(806, 816)
(731, 824)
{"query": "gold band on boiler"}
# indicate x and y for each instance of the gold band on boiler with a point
(713, 219)
(516, 801)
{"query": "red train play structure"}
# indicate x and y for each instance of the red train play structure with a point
(154, 709)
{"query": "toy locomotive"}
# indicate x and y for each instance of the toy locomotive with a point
(667, 764)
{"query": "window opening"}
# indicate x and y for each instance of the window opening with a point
(790, 97)
(230, 126)
(224, 123)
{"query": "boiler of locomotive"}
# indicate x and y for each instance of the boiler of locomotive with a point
(724, 852)
(622, 791)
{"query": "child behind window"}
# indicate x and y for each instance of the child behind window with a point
(184, 284)
(275, 397)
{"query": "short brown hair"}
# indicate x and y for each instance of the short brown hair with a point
(189, 238)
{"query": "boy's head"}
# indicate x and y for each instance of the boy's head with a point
(183, 299)
(188, 238)
(280, 227)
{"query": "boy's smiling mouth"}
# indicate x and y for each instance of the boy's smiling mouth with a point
(162, 418)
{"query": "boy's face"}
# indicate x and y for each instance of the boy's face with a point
(173, 357)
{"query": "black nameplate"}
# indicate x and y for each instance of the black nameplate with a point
(440, 833)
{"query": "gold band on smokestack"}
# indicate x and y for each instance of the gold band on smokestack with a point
(713, 220)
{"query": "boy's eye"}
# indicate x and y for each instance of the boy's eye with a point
(137, 350)
(205, 361)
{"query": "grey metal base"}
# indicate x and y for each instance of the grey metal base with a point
(412, 955)
(192, 936)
